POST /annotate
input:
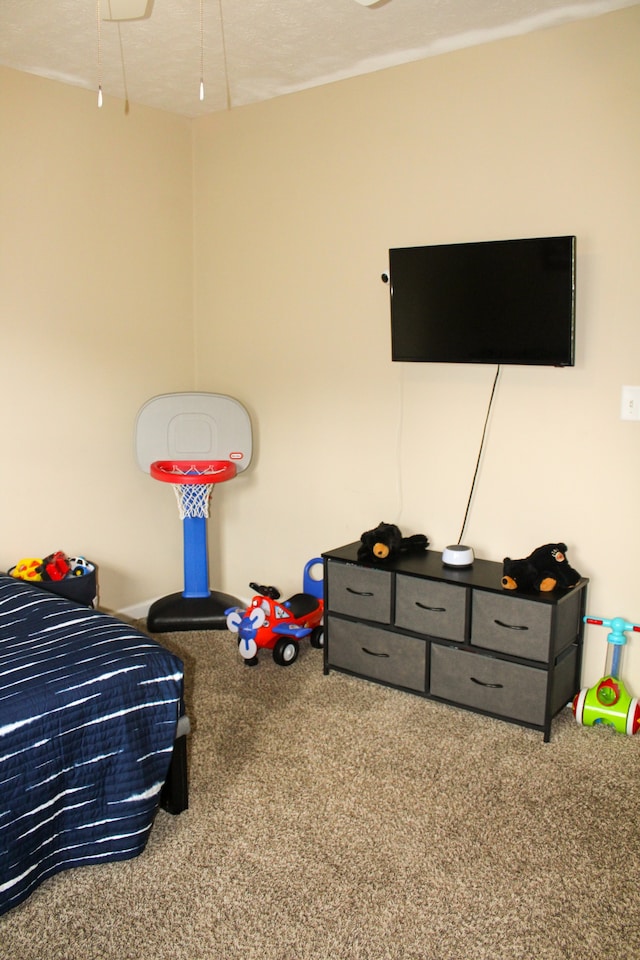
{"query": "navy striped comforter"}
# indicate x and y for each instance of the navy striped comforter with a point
(88, 714)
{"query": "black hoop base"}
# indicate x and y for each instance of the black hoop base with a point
(177, 612)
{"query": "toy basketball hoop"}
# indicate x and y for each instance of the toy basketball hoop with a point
(193, 441)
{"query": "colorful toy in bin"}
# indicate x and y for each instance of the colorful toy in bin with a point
(608, 702)
(29, 568)
(55, 566)
(79, 567)
(270, 624)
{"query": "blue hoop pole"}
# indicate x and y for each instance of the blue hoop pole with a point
(196, 567)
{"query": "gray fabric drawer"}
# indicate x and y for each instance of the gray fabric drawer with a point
(377, 654)
(429, 607)
(512, 625)
(359, 591)
(531, 629)
(486, 683)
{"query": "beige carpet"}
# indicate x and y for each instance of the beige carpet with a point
(332, 818)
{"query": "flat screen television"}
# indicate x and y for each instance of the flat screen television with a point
(495, 301)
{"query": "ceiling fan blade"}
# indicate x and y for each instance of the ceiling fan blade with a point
(128, 9)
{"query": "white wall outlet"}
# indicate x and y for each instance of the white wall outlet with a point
(630, 403)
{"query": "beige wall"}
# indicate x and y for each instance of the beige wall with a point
(96, 313)
(298, 201)
(293, 205)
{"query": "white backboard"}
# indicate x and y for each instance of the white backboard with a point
(193, 426)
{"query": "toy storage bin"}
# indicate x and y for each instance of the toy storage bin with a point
(82, 589)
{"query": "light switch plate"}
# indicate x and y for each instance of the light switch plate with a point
(630, 403)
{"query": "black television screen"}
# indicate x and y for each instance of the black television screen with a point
(496, 301)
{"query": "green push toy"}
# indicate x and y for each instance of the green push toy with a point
(609, 702)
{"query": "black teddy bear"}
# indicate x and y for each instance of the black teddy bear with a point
(544, 569)
(386, 542)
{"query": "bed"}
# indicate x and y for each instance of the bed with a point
(92, 737)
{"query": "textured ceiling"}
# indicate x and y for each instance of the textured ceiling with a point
(253, 50)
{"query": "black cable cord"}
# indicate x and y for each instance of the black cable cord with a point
(484, 432)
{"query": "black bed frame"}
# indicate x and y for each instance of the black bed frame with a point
(174, 797)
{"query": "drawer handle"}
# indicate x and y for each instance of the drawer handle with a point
(423, 606)
(510, 626)
(372, 653)
(360, 593)
(482, 683)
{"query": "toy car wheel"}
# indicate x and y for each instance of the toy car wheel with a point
(285, 651)
(317, 638)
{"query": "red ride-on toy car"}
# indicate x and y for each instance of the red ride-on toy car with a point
(270, 625)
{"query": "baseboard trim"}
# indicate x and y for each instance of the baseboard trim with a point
(137, 611)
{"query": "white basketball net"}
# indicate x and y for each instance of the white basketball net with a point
(193, 499)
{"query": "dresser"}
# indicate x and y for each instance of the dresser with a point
(454, 635)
